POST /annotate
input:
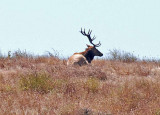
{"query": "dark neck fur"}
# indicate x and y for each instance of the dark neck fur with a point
(88, 55)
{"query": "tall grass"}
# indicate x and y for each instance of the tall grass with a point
(20, 54)
(46, 85)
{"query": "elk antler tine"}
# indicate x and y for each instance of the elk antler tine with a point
(81, 30)
(94, 37)
(99, 44)
(89, 32)
(84, 32)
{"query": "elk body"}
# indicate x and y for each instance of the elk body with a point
(85, 57)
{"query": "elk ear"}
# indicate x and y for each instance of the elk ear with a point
(88, 45)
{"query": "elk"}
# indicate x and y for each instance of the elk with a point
(85, 57)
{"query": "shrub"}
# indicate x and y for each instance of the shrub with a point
(40, 82)
(92, 85)
(55, 53)
(121, 56)
(20, 54)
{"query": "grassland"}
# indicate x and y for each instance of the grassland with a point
(45, 85)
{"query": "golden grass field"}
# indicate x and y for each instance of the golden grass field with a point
(47, 86)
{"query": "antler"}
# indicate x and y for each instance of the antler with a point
(89, 37)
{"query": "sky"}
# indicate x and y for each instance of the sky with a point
(38, 26)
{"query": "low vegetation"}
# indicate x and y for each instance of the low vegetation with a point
(45, 85)
(122, 56)
(39, 82)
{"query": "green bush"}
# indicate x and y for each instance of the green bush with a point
(40, 82)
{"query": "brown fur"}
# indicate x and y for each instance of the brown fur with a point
(83, 58)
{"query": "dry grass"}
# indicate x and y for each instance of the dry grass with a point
(46, 86)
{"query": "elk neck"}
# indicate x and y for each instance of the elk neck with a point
(88, 54)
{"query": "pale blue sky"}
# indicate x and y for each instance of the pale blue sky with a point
(40, 25)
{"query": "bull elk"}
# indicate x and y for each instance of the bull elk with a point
(85, 57)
